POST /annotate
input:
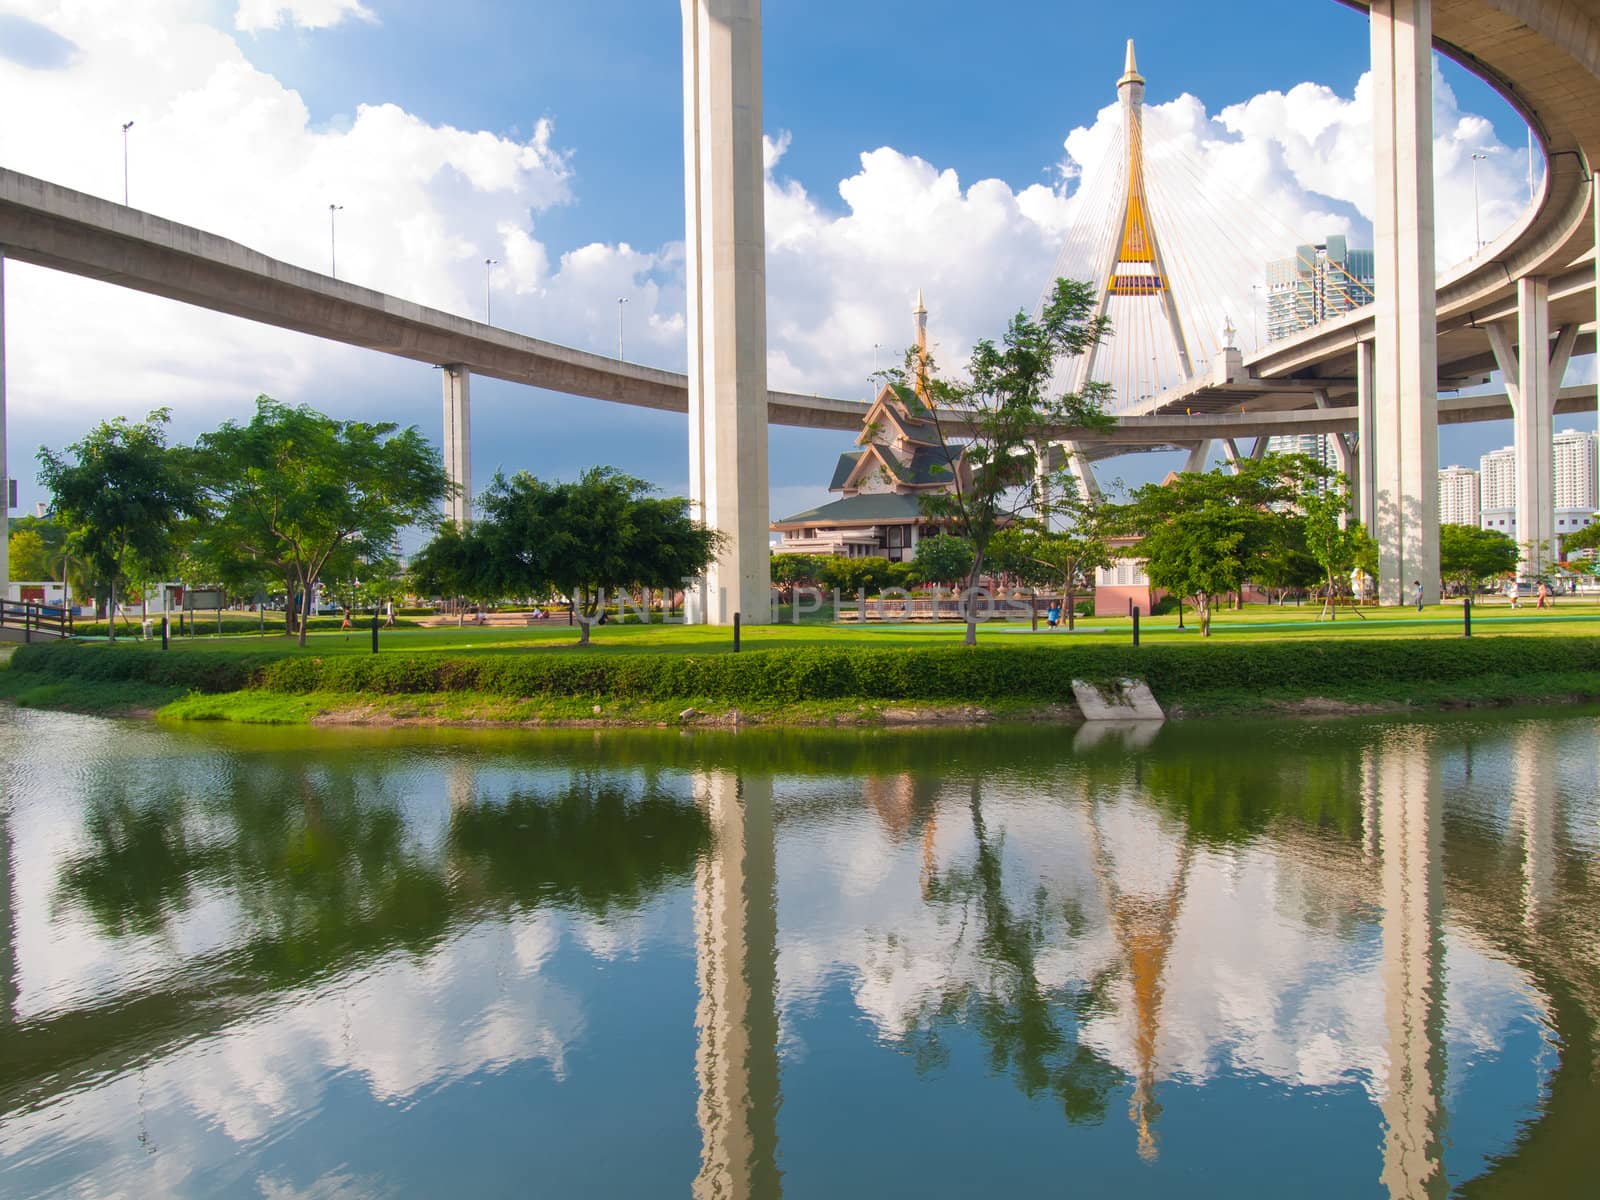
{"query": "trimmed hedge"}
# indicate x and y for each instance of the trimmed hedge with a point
(832, 673)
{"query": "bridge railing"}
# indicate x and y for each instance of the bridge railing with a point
(36, 619)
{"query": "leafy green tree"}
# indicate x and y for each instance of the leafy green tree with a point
(603, 533)
(1004, 412)
(1337, 543)
(122, 493)
(1468, 555)
(1065, 558)
(1201, 535)
(28, 555)
(293, 488)
(796, 570)
(1287, 565)
(943, 558)
(1587, 538)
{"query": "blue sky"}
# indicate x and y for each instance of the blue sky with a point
(547, 134)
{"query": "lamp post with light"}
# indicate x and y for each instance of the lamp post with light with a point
(333, 256)
(621, 300)
(489, 264)
(126, 125)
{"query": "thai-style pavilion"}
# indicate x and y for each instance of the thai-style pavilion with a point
(901, 457)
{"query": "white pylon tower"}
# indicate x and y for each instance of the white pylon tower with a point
(1133, 265)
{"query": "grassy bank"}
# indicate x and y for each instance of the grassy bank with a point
(806, 683)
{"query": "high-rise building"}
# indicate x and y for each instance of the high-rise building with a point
(1313, 445)
(1458, 496)
(1318, 282)
(1576, 491)
(1497, 491)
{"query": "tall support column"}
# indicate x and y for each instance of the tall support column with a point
(725, 247)
(1532, 373)
(1533, 427)
(736, 961)
(1364, 483)
(1199, 458)
(1404, 453)
(458, 441)
(1409, 810)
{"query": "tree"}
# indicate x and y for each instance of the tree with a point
(28, 555)
(1201, 535)
(1005, 413)
(1337, 543)
(943, 558)
(605, 532)
(1287, 564)
(122, 494)
(1587, 538)
(1468, 555)
(294, 487)
(1064, 558)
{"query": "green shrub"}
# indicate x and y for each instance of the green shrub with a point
(1043, 673)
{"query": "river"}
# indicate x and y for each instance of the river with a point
(1342, 959)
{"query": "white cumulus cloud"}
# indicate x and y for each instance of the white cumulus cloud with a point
(255, 15)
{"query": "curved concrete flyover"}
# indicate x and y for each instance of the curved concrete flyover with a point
(51, 226)
(1543, 57)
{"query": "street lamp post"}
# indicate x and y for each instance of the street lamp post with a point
(1477, 215)
(621, 300)
(489, 264)
(333, 256)
(126, 125)
(1255, 332)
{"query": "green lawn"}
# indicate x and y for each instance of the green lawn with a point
(1253, 623)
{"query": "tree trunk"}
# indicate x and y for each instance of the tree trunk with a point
(1203, 607)
(1072, 610)
(111, 613)
(305, 603)
(1033, 608)
(968, 601)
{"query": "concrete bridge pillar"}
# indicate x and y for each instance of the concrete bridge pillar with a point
(1362, 482)
(1533, 372)
(458, 441)
(1199, 458)
(725, 249)
(1403, 454)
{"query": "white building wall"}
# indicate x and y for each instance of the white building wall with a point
(1458, 496)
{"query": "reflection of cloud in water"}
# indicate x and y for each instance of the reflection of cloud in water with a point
(1273, 970)
(480, 1002)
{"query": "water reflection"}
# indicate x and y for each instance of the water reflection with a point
(766, 957)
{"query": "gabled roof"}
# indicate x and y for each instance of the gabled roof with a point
(841, 472)
(928, 466)
(865, 509)
(903, 408)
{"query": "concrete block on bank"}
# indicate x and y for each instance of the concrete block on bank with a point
(1124, 700)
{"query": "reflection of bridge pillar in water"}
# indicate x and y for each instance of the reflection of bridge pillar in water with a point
(8, 940)
(1413, 971)
(736, 936)
(1533, 814)
(461, 784)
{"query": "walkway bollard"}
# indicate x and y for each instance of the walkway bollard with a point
(1466, 616)
(1135, 624)
(736, 633)
(164, 622)
(374, 633)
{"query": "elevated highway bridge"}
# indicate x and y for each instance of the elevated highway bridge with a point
(1534, 287)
